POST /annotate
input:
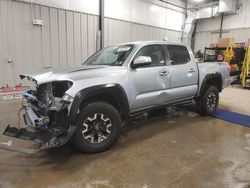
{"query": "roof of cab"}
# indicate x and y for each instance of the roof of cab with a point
(152, 42)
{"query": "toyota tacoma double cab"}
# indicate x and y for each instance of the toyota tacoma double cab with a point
(88, 105)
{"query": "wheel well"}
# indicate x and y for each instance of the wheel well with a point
(215, 81)
(113, 96)
(212, 79)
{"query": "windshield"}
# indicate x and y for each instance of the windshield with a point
(113, 56)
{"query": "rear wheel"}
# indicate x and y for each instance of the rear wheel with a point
(207, 103)
(98, 128)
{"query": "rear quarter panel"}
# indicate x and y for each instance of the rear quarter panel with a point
(212, 68)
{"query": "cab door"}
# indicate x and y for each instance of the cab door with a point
(148, 83)
(183, 73)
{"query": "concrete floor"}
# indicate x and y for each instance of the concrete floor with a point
(180, 149)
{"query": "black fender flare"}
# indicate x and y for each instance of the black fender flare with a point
(208, 77)
(114, 88)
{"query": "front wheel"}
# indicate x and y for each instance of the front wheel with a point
(207, 103)
(98, 128)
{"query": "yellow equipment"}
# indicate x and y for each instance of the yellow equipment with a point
(245, 77)
(228, 54)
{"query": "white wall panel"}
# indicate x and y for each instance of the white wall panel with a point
(84, 37)
(110, 27)
(70, 38)
(27, 36)
(208, 24)
(87, 6)
(239, 20)
(65, 39)
(18, 48)
(96, 29)
(202, 40)
(3, 47)
(174, 20)
(146, 12)
(151, 33)
(116, 31)
(125, 34)
(36, 40)
(10, 39)
(54, 37)
(233, 21)
(138, 32)
(52, 3)
(46, 48)
(77, 40)
(118, 9)
(62, 34)
(106, 31)
(33, 48)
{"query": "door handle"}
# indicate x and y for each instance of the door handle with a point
(164, 73)
(191, 70)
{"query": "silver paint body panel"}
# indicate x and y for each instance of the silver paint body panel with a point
(145, 87)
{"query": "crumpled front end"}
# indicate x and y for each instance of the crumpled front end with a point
(45, 114)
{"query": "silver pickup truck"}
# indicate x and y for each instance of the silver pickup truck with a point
(88, 105)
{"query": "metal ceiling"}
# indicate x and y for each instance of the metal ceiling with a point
(197, 3)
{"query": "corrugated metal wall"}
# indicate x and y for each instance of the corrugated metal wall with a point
(65, 40)
(117, 31)
(205, 38)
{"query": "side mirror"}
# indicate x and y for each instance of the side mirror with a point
(141, 61)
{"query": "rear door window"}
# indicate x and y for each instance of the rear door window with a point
(178, 54)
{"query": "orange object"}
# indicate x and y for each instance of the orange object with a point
(234, 67)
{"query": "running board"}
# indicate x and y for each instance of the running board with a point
(183, 102)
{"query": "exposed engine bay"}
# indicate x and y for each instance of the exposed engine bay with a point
(46, 105)
(45, 113)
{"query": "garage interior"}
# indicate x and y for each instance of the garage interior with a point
(175, 147)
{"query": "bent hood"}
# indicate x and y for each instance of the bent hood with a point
(84, 72)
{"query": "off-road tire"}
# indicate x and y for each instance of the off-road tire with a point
(79, 140)
(207, 103)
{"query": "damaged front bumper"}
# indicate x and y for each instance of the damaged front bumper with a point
(45, 116)
(14, 137)
(35, 142)
(39, 133)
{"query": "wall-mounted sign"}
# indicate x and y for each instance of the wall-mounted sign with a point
(37, 22)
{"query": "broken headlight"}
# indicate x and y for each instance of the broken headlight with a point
(67, 98)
